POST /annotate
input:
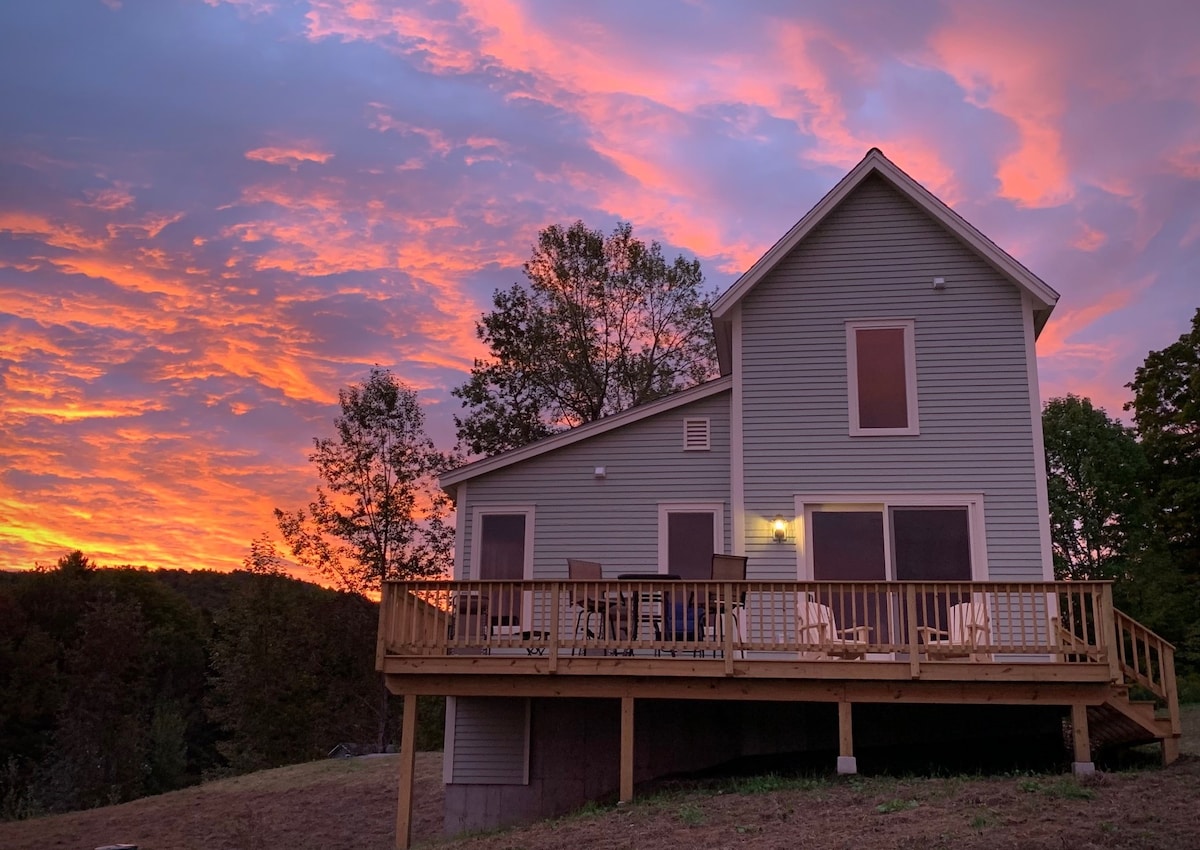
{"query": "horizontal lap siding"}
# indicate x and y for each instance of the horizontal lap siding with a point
(491, 741)
(613, 520)
(875, 256)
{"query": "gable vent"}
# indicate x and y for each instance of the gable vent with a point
(695, 435)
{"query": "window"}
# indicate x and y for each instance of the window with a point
(503, 551)
(902, 537)
(688, 535)
(881, 369)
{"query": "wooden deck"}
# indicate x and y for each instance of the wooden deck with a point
(1051, 643)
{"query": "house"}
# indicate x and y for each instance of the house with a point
(873, 448)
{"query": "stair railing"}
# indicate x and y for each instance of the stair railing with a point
(1148, 660)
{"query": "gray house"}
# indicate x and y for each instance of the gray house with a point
(873, 449)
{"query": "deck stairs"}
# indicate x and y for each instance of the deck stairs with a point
(1147, 668)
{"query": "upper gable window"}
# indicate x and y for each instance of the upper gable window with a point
(882, 371)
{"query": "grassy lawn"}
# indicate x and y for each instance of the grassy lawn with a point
(351, 803)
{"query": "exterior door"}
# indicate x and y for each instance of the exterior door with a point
(690, 544)
(502, 558)
(848, 545)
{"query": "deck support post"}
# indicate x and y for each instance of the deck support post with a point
(408, 767)
(1169, 750)
(1083, 764)
(626, 750)
(846, 763)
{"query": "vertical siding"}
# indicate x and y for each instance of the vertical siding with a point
(613, 520)
(491, 741)
(875, 256)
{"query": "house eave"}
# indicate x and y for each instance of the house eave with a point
(450, 480)
(875, 162)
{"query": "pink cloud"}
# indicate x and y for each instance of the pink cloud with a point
(1089, 239)
(1004, 65)
(290, 155)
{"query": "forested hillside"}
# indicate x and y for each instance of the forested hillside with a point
(117, 683)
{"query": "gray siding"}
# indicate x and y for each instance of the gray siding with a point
(491, 741)
(875, 256)
(612, 520)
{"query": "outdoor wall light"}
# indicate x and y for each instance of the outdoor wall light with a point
(779, 526)
(600, 472)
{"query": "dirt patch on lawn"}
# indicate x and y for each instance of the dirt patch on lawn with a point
(351, 803)
(1137, 810)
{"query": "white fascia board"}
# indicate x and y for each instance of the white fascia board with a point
(450, 480)
(876, 162)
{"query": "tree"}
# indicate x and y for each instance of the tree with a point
(380, 515)
(1166, 411)
(293, 672)
(1102, 519)
(1096, 475)
(604, 324)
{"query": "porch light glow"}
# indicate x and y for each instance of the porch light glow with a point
(780, 528)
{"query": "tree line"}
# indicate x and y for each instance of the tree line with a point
(120, 682)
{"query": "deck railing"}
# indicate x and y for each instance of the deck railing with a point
(1069, 622)
(1148, 661)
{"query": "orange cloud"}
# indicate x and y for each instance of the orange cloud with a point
(1055, 339)
(108, 200)
(292, 156)
(1015, 70)
(69, 236)
(1089, 239)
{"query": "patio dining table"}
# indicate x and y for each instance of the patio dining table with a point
(645, 607)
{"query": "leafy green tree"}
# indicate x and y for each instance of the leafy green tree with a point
(380, 514)
(99, 752)
(605, 323)
(1166, 411)
(1100, 517)
(293, 671)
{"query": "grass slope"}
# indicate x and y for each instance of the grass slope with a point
(351, 803)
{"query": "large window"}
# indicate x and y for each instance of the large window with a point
(882, 377)
(917, 537)
(909, 537)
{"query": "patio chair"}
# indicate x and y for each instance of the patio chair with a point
(728, 568)
(588, 598)
(685, 618)
(817, 626)
(966, 630)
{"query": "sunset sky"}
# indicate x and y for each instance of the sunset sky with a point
(215, 213)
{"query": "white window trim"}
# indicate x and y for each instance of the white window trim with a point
(880, 502)
(458, 568)
(717, 509)
(448, 739)
(477, 516)
(910, 376)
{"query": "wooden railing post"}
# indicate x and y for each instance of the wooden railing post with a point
(555, 612)
(727, 626)
(1106, 633)
(914, 658)
(385, 616)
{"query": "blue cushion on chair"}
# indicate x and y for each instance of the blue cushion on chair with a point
(682, 623)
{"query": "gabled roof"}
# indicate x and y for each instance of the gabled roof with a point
(450, 480)
(1044, 298)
